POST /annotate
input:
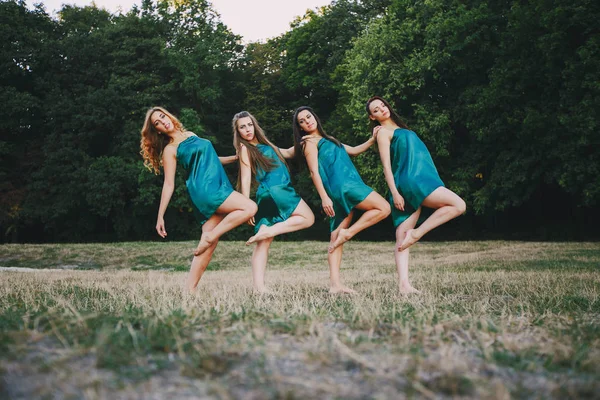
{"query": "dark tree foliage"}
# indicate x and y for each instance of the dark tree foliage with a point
(505, 94)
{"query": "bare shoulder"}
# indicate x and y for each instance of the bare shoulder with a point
(385, 133)
(311, 141)
(310, 145)
(170, 150)
(244, 157)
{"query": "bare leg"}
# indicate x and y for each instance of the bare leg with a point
(301, 218)
(199, 263)
(448, 205)
(376, 209)
(402, 257)
(237, 210)
(259, 264)
(334, 258)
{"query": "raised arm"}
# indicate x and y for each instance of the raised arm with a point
(169, 166)
(228, 159)
(288, 153)
(311, 152)
(361, 148)
(384, 138)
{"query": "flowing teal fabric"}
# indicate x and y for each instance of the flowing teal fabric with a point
(341, 180)
(275, 196)
(414, 173)
(207, 182)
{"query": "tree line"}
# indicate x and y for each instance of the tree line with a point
(506, 95)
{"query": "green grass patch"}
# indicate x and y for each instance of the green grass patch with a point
(514, 313)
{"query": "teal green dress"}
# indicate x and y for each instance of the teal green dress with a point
(207, 182)
(341, 180)
(275, 196)
(414, 173)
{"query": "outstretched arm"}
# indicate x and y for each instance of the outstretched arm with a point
(291, 152)
(169, 166)
(288, 153)
(384, 138)
(361, 148)
(228, 159)
(311, 152)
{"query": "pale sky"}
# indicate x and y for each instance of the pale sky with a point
(253, 19)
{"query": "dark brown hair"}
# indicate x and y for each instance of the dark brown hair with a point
(298, 132)
(395, 117)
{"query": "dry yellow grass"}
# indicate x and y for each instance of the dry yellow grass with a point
(496, 320)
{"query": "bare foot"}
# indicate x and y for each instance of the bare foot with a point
(408, 289)
(261, 290)
(206, 240)
(341, 289)
(263, 233)
(409, 240)
(343, 237)
(186, 291)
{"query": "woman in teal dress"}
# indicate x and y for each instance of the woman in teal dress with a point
(339, 185)
(280, 209)
(217, 205)
(413, 181)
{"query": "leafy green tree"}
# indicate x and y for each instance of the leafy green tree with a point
(501, 92)
(22, 57)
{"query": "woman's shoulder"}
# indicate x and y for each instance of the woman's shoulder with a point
(311, 140)
(400, 130)
(170, 150)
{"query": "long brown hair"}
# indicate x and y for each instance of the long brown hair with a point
(393, 115)
(154, 142)
(258, 161)
(298, 132)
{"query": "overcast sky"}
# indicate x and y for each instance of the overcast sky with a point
(252, 19)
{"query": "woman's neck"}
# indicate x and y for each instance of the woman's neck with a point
(388, 123)
(176, 136)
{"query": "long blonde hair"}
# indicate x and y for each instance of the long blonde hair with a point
(154, 142)
(258, 161)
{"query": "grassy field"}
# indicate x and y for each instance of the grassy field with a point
(495, 320)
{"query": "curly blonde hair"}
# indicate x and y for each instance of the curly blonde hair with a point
(154, 142)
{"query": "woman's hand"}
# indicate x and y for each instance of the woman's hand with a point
(327, 205)
(398, 201)
(160, 227)
(376, 131)
(251, 222)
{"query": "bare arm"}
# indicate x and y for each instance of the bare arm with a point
(245, 175)
(288, 153)
(384, 138)
(245, 171)
(169, 166)
(228, 159)
(361, 148)
(311, 152)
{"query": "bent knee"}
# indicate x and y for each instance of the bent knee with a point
(386, 209)
(310, 220)
(251, 208)
(461, 207)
